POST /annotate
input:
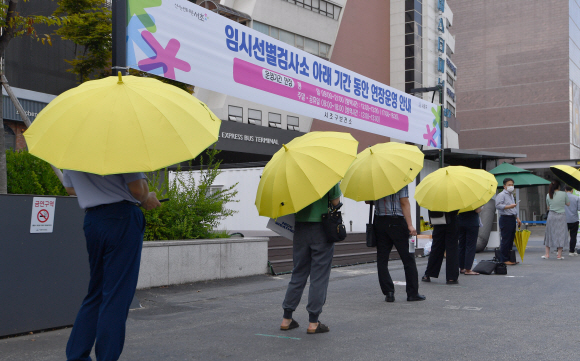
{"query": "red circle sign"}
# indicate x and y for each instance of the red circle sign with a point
(42, 216)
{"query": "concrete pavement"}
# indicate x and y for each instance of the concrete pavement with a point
(529, 315)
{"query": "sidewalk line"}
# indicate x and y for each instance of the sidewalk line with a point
(291, 338)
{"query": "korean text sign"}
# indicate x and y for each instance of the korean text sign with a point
(42, 218)
(185, 42)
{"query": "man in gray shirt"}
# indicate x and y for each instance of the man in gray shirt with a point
(114, 227)
(508, 215)
(572, 219)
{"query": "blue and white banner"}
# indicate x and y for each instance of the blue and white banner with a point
(185, 42)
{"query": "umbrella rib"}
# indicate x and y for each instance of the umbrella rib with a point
(137, 118)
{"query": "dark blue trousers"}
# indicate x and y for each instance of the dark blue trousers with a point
(467, 244)
(507, 227)
(114, 235)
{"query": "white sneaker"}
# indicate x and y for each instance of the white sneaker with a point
(572, 254)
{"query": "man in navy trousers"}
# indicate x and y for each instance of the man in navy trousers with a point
(114, 227)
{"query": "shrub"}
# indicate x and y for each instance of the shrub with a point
(30, 175)
(192, 212)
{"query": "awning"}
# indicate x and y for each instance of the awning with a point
(469, 158)
(31, 107)
(226, 11)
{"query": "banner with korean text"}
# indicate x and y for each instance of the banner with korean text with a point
(185, 42)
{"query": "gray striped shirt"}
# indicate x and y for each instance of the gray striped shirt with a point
(505, 199)
(391, 205)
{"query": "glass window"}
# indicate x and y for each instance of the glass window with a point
(299, 42)
(9, 138)
(274, 120)
(336, 12)
(450, 80)
(263, 28)
(293, 120)
(235, 113)
(255, 116)
(323, 7)
(292, 123)
(418, 18)
(418, 6)
(324, 48)
(311, 46)
(274, 32)
(287, 37)
(315, 4)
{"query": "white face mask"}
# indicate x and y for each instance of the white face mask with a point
(510, 189)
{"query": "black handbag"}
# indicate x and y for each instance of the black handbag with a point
(485, 267)
(371, 236)
(500, 268)
(332, 224)
(512, 255)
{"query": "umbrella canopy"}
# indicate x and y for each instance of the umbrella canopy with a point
(451, 188)
(487, 195)
(122, 125)
(567, 174)
(521, 180)
(507, 168)
(381, 170)
(303, 171)
(521, 241)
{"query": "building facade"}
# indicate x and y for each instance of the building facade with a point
(422, 47)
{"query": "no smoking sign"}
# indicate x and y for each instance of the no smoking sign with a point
(42, 219)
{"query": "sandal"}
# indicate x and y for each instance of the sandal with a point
(544, 257)
(462, 271)
(291, 326)
(471, 273)
(321, 328)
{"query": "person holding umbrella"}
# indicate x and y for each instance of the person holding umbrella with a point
(468, 224)
(114, 227)
(312, 255)
(301, 179)
(445, 192)
(556, 228)
(393, 226)
(383, 172)
(508, 216)
(156, 125)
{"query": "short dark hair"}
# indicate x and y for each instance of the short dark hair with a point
(505, 180)
(568, 188)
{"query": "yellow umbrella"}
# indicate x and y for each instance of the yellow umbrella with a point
(450, 189)
(521, 241)
(122, 125)
(567, 174)
(381, 170)
(487, 195)
(303, 171)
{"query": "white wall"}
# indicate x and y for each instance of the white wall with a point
(248, 219)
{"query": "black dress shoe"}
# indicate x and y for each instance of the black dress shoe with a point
(390, 297)
(417, 297)
(426, 278)
(455, 282)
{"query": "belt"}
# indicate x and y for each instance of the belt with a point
(508, 215)
(395, 217)
(110, 204)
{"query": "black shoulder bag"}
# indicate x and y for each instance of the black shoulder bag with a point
(332, 224)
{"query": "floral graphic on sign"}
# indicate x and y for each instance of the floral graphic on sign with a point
(164, 57)
(433, 135)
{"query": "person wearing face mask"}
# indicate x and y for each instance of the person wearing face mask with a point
(508, 217)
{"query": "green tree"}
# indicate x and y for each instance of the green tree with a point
(89, 27)
(30, 175)
(13, 24)
(194, 210)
